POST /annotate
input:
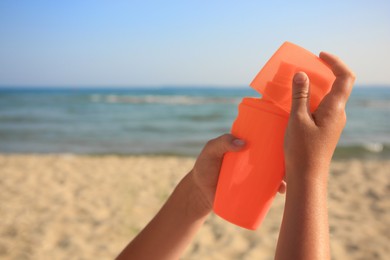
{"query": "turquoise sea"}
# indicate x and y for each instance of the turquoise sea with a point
(158, 120)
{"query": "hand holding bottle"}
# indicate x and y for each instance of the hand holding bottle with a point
(312, 138)
(309, 145)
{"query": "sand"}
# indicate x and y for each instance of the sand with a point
(89, 207)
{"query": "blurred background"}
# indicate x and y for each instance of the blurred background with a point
(105, 104)
(138, 77)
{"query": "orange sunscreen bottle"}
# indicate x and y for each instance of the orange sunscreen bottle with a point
(249, 179)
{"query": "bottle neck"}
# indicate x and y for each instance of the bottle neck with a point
(264, 105)
(278, 94)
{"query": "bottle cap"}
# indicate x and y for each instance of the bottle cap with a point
(274, 81)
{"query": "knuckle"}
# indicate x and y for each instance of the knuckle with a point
(218, 144)
(338, 112)
(220, 140)
(302, 94)
(225, 137)
(210, 143)
(225, 140)
(348, 76)
(340, 107)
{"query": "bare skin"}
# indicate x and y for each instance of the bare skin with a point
(312, 137)
(310, 142)
(172, 229)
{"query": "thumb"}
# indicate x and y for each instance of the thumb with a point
(300, 94)
(217, 147)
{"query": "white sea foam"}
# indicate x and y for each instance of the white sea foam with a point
(163, 99)
(382, 104)
(374, 147)
(143, 120)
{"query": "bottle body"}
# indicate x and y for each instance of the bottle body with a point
(249, 179)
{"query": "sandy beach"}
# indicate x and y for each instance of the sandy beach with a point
(89, 207)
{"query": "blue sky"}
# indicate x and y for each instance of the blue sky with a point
(160, 43)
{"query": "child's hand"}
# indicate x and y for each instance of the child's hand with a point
(312, 138)
(206, 170)
(308, 148)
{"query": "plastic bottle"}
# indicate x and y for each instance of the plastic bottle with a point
(249, 179)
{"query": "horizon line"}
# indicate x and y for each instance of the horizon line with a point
(205, 86)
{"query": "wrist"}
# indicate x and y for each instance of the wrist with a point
(196, 202)
(307, 178)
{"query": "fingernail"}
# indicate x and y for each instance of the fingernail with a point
(300, 78)
(238, 142)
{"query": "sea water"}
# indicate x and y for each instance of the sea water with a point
(176, 120)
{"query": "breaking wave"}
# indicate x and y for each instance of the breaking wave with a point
(164, 99)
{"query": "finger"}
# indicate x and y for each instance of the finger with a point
(342, 86)
(225, 143)
(300, 94)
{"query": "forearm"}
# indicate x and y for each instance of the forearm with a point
(172, 229)
(305, 231)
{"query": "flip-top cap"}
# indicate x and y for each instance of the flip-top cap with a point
(274, 81)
